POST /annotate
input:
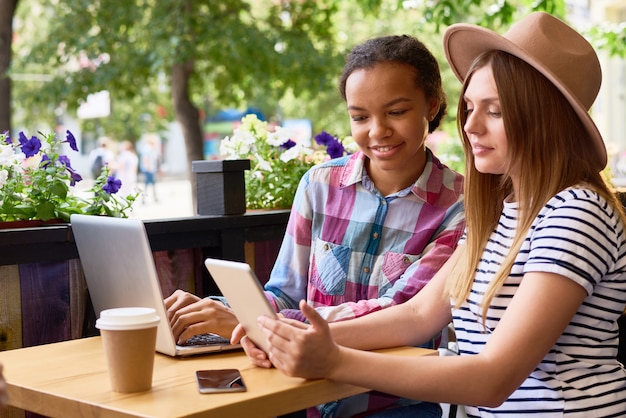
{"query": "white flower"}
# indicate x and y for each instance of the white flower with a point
(278, 137)
(295, 152)
(226, 148)
(12, 160)
(263, 164)
(245, 138)
(7, 156)
(240, 145)
(4, 175)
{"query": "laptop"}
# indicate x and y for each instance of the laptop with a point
(119, 269)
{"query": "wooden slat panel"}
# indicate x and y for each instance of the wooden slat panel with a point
(45, 297)
(12, 412)
(10, 308)
(78, 298)
(265, 253)
(177, 269)
(248, 248)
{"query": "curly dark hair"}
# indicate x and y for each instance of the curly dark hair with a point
(402, 49)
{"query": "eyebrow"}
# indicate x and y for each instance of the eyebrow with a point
(485, 100)
(388, 104)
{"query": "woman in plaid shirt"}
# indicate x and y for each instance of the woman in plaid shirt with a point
(369, 230)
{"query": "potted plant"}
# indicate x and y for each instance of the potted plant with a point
(277, 162)
(37, 182)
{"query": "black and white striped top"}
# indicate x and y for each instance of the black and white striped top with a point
(577, 235)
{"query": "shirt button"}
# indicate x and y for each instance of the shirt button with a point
(366, 269)
(406, 260)
(375, 235)
(326, 247)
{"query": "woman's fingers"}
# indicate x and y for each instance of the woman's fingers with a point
(298, 349)
(257, 356)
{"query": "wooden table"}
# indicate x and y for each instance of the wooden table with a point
(69, 379)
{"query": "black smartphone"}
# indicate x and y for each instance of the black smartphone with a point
(220, 380)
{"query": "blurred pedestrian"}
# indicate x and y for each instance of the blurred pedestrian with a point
(100, 156)
(126, 168)
(149, 164)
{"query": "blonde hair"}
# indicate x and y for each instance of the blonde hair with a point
(547, 150)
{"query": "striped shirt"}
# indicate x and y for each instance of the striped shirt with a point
(579, 236)
(350, 251)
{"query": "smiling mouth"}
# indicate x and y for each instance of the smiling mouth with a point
(383, 149)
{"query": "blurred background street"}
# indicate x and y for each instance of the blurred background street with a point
(174, 200)
(173, 194)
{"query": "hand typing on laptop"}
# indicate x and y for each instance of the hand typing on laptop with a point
(190, 315)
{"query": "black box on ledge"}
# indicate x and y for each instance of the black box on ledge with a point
(220, 186)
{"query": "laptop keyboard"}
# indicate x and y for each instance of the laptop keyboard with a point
(206, 339)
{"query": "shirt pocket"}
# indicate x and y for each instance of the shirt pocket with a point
(330, 267)
(396, 264)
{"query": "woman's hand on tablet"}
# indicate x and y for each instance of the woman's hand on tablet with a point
(300, 349)
(256, 355)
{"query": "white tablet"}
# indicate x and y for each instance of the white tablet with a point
(244, 294)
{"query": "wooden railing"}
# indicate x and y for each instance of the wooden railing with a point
(43, 295)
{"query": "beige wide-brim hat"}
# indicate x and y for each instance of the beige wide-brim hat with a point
(554, 49)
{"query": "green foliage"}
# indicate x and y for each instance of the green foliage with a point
(283, 57)
(37, 180)
(239, 51)
(485, 13)
(611, 38)
(104, 202)
(451, 154)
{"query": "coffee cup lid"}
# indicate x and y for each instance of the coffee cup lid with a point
(127, 318)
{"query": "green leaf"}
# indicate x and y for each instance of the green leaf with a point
(59, 188)
(45, 211)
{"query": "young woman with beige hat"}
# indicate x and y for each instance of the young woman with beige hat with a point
(537, 284)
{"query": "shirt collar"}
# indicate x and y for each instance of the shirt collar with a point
(354, 172)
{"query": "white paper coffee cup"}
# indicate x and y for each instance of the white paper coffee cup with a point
(127, 318)
(129, 341)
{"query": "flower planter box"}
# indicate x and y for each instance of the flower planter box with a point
(220, 186)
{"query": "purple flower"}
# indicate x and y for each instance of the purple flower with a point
(30, 146)
(287, 145)
(22, 138)
(45, 161)
(324, 138)
(75, 177)
(112, 186)
(335, 149)
(71, 140)
(65, 160)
